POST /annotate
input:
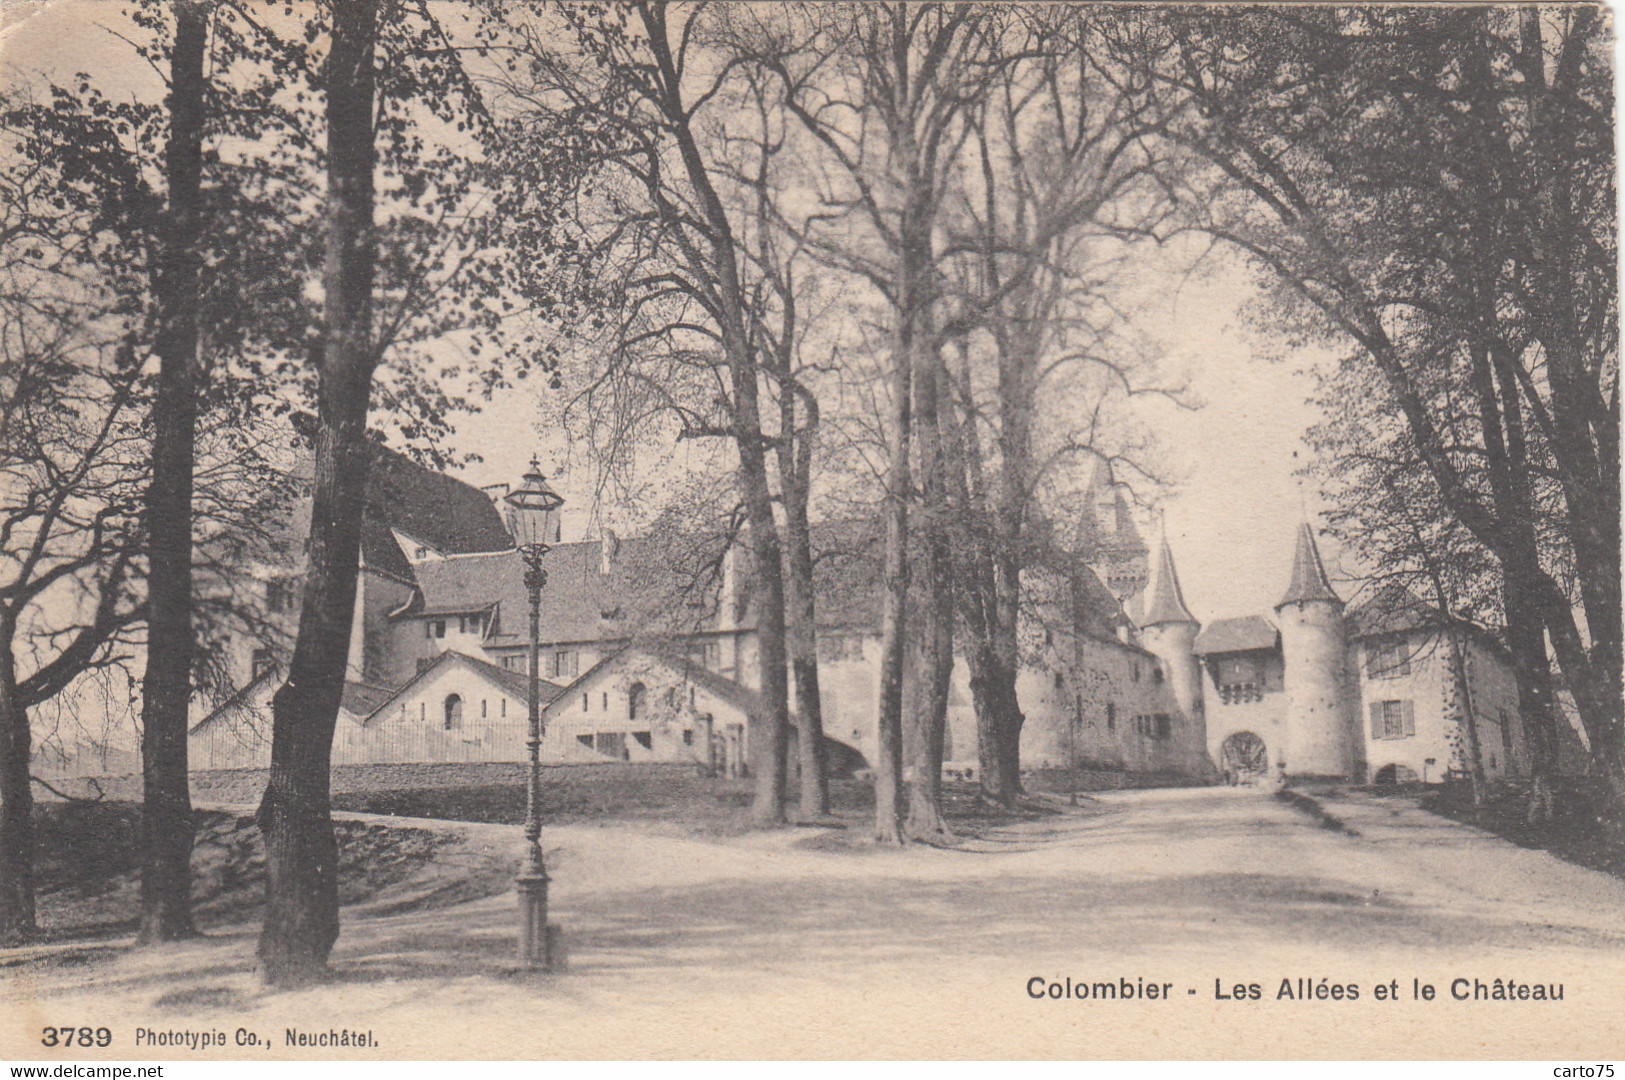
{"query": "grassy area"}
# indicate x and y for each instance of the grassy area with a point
(87, 875)
(1587, 828)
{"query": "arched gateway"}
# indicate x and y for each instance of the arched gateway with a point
(1243, 758)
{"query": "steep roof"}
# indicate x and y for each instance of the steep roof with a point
(1309, 581)
(448, 515)
(379, 550)
(1246, 634)
(469, 583)
(360, 699)
(1106, 529)
(1391, 609)
(1164, 602)
(575, 601)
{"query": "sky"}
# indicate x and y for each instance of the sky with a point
(1230, 518)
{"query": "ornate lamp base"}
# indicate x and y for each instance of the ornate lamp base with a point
(535, 935)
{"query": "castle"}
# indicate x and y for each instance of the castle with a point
(1116, 672)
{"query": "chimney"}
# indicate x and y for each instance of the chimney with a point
(609, 549)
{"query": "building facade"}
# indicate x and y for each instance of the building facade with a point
(1116, 673)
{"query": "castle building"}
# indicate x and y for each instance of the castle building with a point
(1116, 674)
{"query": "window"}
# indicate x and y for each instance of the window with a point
(483, 713)
(1060, 681)
(1156, 674)
(645, 739)
(1387, 658)
(262, 662)
(1111, 716)
(515, 662)
(583, 702)
(1154, 725)
(604, 704)
(585, 740)
(688, 736)
(563, 664)
(1136, 672)
(277, 595)
(1392, 719)
(634, 700)
(437, 628)
(502, 710)
(707, 654)
(454, 712)
(610, 743)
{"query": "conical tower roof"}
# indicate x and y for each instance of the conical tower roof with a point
(1164, 603)
(1309, 581)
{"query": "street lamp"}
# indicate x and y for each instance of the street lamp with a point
(533, 519)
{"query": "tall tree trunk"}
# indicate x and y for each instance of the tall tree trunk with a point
(16, 801)
(888, 764)
(929, 715)
(992, 681)
(769, 748)
(770, 740)
(301, 910)
(166, 805)
(795, 479)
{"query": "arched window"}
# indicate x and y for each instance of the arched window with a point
(454, 712)
(634, 700)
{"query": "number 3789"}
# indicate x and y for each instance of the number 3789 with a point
(76, 1036)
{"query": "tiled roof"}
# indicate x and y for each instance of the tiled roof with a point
(467, 583)
(1391, 609)
(360, 699)
(1245, 634)
(1309, 580)
(380, 552)
(443, 512)
(574, 603)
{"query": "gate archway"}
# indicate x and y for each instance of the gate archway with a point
(1243, 758)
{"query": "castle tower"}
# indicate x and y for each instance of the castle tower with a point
(1320, 738)
(1108, 540)
(1168, 631)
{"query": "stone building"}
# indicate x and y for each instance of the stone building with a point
(1116, 672)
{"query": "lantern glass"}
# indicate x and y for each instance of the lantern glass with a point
(535, 509)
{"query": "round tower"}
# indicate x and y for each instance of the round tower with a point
(1320, 740)
(1168, 631)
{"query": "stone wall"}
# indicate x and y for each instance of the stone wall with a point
(244, 786)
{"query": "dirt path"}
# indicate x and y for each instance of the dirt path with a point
(763, 945)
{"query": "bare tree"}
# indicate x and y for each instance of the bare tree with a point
(664, 239)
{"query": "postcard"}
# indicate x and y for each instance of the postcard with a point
(809, 531)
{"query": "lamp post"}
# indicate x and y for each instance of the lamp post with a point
(534, 521)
